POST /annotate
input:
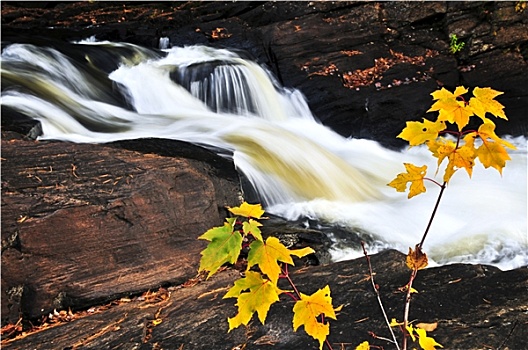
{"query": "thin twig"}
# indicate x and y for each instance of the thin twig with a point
(443, 187)
(408, 306)
(394, 340)
(509, 335)
(286, 275)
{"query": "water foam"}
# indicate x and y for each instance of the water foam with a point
(300, 167)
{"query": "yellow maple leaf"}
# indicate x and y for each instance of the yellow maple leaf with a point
(308, 308)
(395, 323)
(415, 175)
(261, 295)
(363, 346)
(410, 331)
(248, 210)
(492, 152)
(426, 343)
(302, 252)
(442, 148)
(267, 255)
(252, 227)
(483, 102)
(224, 247)
(450, 108)
(443, 95)
(487, 131)
(461, 157)
(416, 259)
(417, 133)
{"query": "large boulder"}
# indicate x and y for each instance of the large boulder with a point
(474, 307)
(83, 224)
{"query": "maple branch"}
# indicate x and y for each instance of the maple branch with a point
(379, 297)
(450, 132)
(443, 187)
(326, 339)
(415, 270)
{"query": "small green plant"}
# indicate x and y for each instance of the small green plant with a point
(455, 45)
(267, 262)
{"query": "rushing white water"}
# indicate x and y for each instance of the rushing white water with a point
(299, 167)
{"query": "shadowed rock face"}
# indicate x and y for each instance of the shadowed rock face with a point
(84, 224)
(365, 67)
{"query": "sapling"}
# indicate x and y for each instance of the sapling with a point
(268, 260)
(461, 151)
(258, 289)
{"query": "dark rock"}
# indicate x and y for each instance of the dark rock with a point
(83, 224)
(475, 306)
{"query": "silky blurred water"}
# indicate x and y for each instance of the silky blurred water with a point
(299, 168)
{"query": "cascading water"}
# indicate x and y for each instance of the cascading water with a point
(299, 168)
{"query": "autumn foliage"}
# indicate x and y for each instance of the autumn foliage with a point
(465, 146)
(456, 146)
(258, 289)
(449, 139)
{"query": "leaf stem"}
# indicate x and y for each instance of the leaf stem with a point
(415, 270)
(433, 181)
(286, 275)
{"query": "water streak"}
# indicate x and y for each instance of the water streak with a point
(300, 168)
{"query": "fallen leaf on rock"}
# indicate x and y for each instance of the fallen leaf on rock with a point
(429, 327)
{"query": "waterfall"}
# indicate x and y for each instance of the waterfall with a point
(299, 168)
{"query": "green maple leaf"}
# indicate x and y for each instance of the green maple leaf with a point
(308, 308)
(252, 227)
(224, 247)
(261, 294)
(268, 254)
